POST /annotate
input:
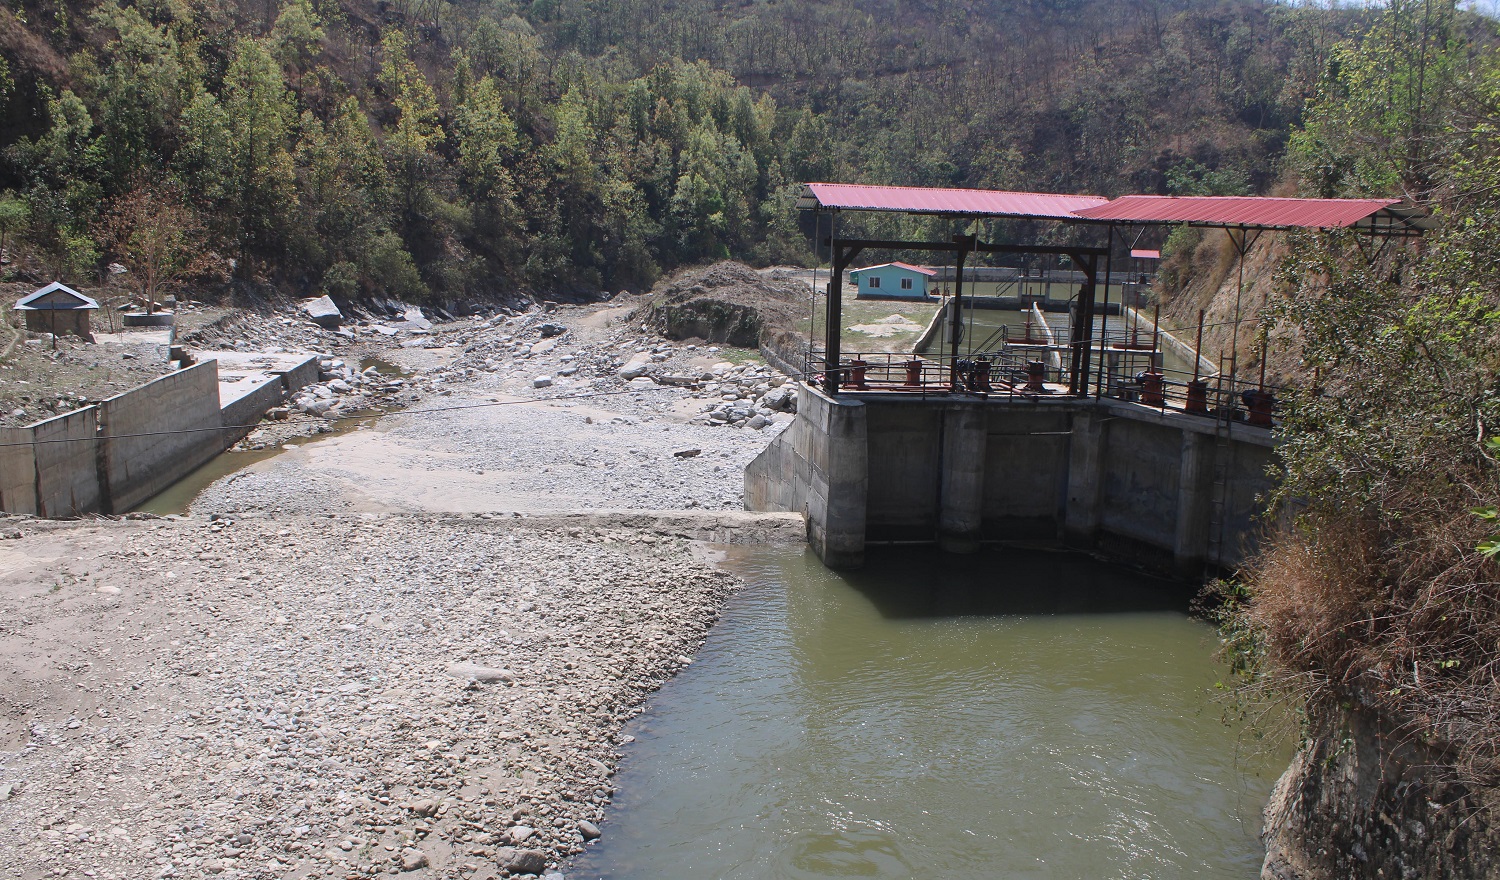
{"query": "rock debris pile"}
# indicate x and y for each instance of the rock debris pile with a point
(342, 388)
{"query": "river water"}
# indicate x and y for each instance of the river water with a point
(1012, 714)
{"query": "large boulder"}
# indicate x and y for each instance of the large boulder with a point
(323, 312)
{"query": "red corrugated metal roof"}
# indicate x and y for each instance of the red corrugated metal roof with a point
(1145, 255)
(1251, 211)
(921, 269)
(1378, 216)
(924, 200)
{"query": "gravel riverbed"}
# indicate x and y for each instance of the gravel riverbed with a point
(334, 696)
(403, 650)
(571, 409)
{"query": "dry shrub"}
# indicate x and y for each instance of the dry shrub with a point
(1399, 613)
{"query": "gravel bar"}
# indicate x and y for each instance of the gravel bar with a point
(335, 696)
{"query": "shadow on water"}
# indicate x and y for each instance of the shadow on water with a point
(915, 582)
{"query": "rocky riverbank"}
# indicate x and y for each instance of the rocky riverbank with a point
(334, 696)
(1364, 798)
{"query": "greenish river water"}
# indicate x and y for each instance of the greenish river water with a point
(1013, 714)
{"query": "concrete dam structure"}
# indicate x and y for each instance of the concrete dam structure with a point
(1174, 491)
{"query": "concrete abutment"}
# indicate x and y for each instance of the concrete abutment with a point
(1166, 490)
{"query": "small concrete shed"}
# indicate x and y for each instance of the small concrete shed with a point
(58, 309)
(892, 281)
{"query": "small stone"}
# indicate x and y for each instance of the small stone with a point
(521, 833)
(541, 382)
(589, 830)
(5, 791)
(412, 859)
(108, 590)
(521, 861)
(757, 422)
(424, 807)
(687, 453)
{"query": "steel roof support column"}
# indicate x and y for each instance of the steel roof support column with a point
(955, 327)
(1104, 318)
(834, 318)
(1242, 247)
(1082, 331)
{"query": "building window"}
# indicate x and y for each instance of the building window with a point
(874, 281)
(906, 284)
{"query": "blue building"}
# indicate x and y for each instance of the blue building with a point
(891, 281)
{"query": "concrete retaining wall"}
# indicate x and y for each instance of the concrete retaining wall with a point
(1169, 490)
(65, 450)
(17, 471)
(303, 374)
(241, 415)
(134, 445)
(1026, 468)
(156, 434)
(817, 468)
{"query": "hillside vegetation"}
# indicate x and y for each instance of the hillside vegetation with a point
(1384, 595)
(423, 148)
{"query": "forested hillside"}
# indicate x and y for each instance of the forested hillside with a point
(422, 148)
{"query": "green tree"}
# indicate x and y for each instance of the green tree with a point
(297, 33)
(262, 182)
(205, 157)
(1371, 128)
(13, 216)
(340, 175)
(410, 145)
(138, 94)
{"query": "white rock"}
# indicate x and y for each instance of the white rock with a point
(541, 382)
